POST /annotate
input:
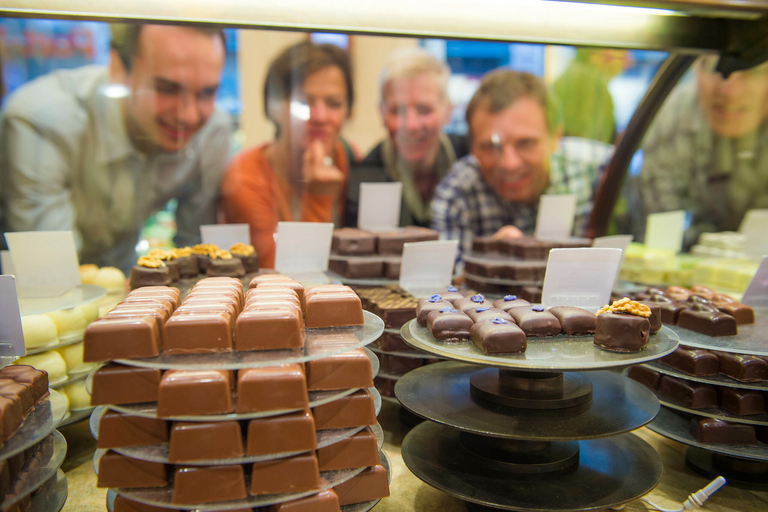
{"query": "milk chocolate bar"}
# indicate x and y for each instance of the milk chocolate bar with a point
(510, 301)
(333, 308)
(194, 392)
(158, 291)
(691, 394)
(576, 321)
(353, 241)
(357, 451)
(536, 321)
(354, 410)
(742, 313)
(693, 361)
(10, 388)
(267, 329)
(449, 324)
(619, 332)
(364, 267)
(349, 369)
(121, 338)
(119, 384)
(272, 388)
(711, 430)
(286, 282)
(293, 474)
(742, 367)
(198, 333)
(392, 242)
(123, 504)
(117, 430)
(11, 415)
(645, 376)
(706, 321)
(371, 484)
(117, 470)
(498, 336)
(208, 484)
(293, 432)
(324, 501)
(24, 374)
(205, 440)
(742, 401)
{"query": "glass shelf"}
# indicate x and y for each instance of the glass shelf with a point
(40, 422)
(51, 451)
(77, 296)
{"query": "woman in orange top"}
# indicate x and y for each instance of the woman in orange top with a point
(302, 174)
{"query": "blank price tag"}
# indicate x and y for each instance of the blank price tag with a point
(754, 226)
(757, 291)
(427, 267)
(379, 206)
(555, 218)
(665, 230)
(303, 247)
(225, 235)
(11, 334)
(580, 277)
(45, 262)
(6, 263)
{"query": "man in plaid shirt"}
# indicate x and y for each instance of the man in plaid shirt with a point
(516, 155)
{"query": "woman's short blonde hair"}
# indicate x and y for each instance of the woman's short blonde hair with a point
(411, 62)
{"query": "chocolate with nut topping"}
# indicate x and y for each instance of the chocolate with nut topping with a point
(621, 332)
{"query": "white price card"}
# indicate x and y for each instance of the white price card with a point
(757, 291)
(225, 235)
(754, 226)
(427, 267)
(555, 218)
(11, 335)
(6, 263)
(665, 230)
(380, 204)
(45, 262)
(614, 242)
(303, 247)
(580, 277)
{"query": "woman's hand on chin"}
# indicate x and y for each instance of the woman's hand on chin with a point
(321, 177)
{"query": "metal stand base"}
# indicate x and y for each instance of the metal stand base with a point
(520, 457)
(530, 390)
(742, 473)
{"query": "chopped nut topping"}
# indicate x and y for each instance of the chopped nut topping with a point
(150, 262)
(221, 254)
(242, 249)
(626, 305)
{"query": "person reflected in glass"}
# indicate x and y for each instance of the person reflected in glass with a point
(706, 151)
(97, 150)
(414, 107)
(301, 175)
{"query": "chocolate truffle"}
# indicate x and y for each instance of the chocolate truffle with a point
(575, 321)
(351, 241)
(24, 374)
(703, 319)
(466, 303)
(714, 431)
(694, 395)
(645, 376)
(619, 332)
(426, 306)
(149, 272)
(346, 370)
(742, 367)
(451, 294)
(332, 306)
(693, 361)
(482, 313)
(742, 313)
(536, 321)
(449, 324)
(498, 336)
(742, 402)
(362, 267)
(222, 264)
(198, 333)
(247, 256)
(510, 301)
(655, 318)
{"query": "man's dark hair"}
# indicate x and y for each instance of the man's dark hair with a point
(125, 39)
(291, 68)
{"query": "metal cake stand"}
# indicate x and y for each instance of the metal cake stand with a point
(524, 432)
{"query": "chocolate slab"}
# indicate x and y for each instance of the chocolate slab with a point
(693, 361)
(391, 242)
(194, 392)
(655, 318)
(694, 395)
(147, 276)
(482, 313)
(645, 376)
(268, 329)
(357, 451)
(371, 484)
(250, 262)
(392, 269)
(231, 267)
(333, 309)
(449, 325)
(353, 241)
(205, 440)
(485, 244)
(293, 474)
(395, 310)
(202, 262)
(208, 484)
(355, 410)
(120, 338)
(198, 333)
(158, 291)
(324, 501)
(350, 369)
(272, 388)
(11, 415)
(11, 388)
(293, 432)
(510, 301)
(576, 321)
(25, 374)
(741, 401)
(475, 301)
(617, 332)
(536, 321)
(426, 306)
(365, 267)
(286, 282)
(714, 431)
(118, 384)
(187, 266)
(742, 367)
(117, 470)
(742, 313)
(117, 430)
(123, 504)
(498, 336)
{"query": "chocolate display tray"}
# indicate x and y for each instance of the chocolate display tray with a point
(750, 339)
(364, 506)
(52, 495)
(71, 377)
(159, 452)
(365, 334)
(717, 380)
(77, 296)
(40, 422)
(56, 447)
(503, 282)
(672, 425)
(552, 353)
(713, 412)
(412, 355)
(71, 340)
(75, 416)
